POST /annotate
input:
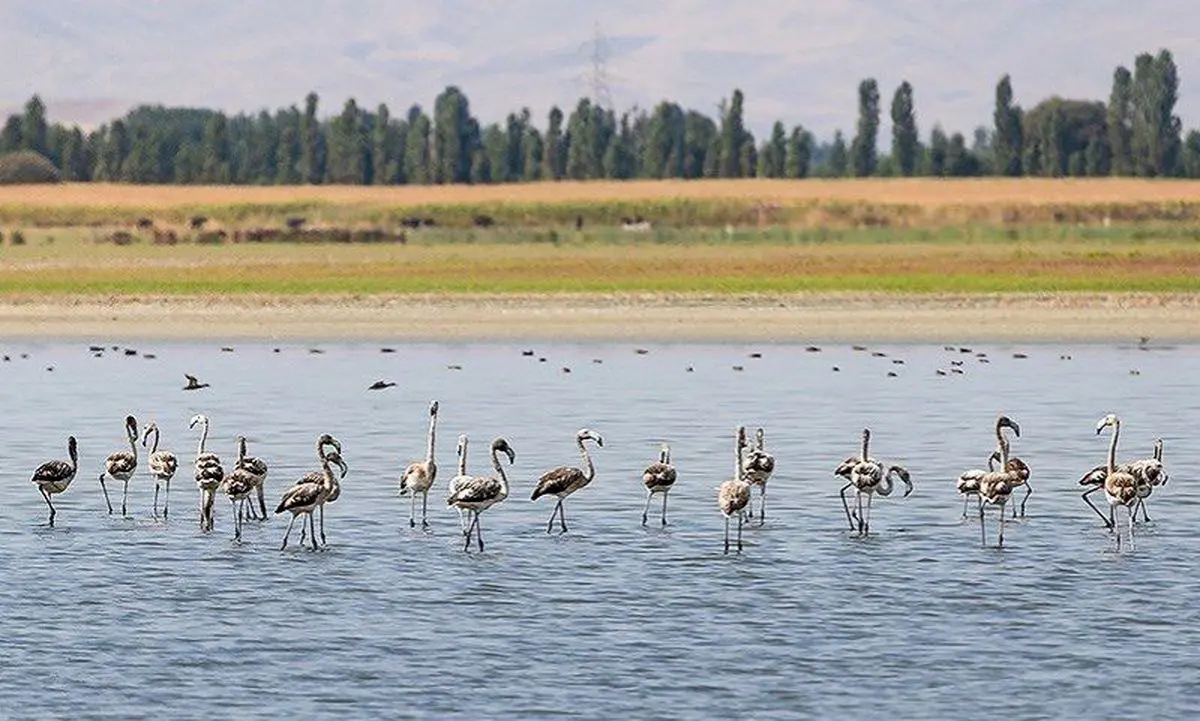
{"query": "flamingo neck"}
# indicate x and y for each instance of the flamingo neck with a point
(241, 449)
(154, 445)
(203, 438)
(866, 443)
(590, 472)
(1112, 447)
(500, 472)
(132, 437)
(432, 435)
(462, 458)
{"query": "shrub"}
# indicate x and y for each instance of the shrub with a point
(26, 167)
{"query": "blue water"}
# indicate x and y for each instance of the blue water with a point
(109, 618)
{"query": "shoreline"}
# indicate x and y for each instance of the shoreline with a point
(1060, 317)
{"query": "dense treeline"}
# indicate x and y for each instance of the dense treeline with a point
(1134, 133)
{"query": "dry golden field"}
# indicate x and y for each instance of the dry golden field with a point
(921, 192)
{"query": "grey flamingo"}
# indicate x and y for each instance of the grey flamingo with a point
(163, 465)
(256, 470)
(1120, 486)
(480, 493)
(734, 495)
(307, 494)
(53, 477)
(565, 480)
(326, 445)
(418, 478)
(208, 472)
(758, 465)
(659, 478)
(122, 465)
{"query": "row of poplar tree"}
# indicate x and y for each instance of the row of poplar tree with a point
(1135, 133)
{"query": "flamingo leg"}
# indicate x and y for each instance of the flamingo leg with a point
(124, 499)
(46, 496)
(424, 509)
(726, 534)
(237, 529)
(479, 531)
(553, 513)
(1000, 544)
(664, 509)
(312, 528)
(982, 525)
(156, 499)
(262, 500)
(1129, 510)
(846, 505)
(289, 532)
(105, 489)
(646, 510)
(321, 511)
(966, 500)
(166, 498)
(412, 511)
(1025, 499)
(762, 505)
(1107, 519)
(1142, 505)
(741, 519)
(562, 516)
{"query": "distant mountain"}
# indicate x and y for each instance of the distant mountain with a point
(795, 61)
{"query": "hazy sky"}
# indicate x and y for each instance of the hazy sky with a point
(798, 61)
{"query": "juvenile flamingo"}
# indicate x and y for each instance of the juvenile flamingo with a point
(163, 465)
(121, 465)
(418, 478)
(659, 478)
(565, 480)
(476, 495)
(53, 477)
(734, 495)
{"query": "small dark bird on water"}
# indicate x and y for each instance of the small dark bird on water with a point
(739, 368)
(756, 355)
(454, 367)
(193, 384)
(691, 369)
(380, 385)
(149, 356)
(527, 353)
(315, 351)
(837, 370)
(858, 347)
(892, 374)
(130, 351)
(96, 348)
(387, 350)
(566, 369)
(812, 349)
(879, 354)
(1019, 355)
(641, 351)
(597, 361)
(226, 349)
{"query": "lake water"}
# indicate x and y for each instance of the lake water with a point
(109, 618)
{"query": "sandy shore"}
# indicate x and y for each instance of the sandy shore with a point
(808, 318)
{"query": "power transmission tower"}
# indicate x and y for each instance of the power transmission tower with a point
(598, 79)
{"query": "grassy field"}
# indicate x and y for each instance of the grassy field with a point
(902, 203)
(720, 237)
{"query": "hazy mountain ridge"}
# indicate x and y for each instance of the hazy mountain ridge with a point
(90, 59)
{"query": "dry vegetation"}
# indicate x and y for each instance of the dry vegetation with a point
(898, 236)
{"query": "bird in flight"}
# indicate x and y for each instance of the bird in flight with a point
(193, 384)
(380, 385)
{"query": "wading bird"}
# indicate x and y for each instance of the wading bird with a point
(163, 465)
(208, 472)
(53, 477)
(869, 478)
(757, 470)
(476, 495)
(121, 465)
(659, 478)
(418, 478)
(306, 495)
(1120, 486)
(565, 480)
(734, 495)
(256, 470)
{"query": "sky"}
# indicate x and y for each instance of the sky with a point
(798, 61)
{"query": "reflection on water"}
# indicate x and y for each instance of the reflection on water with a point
(104, 617)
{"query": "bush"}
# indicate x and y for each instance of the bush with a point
(26, 167)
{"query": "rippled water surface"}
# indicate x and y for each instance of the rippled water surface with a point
(133, 618)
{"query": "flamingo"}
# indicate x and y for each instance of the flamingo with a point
(480, 493)
(53, 477)
(256, 471)
(565, 480)
(734, 495)
(1120, 487)
(758, 465)
(659, 478)
(208, 472)
(122, 464)
(419, 477)
(995, 489)
(304, 497)
(163, 465)
(460, 479)
(869, 477)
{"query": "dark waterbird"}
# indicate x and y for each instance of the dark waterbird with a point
(380, 385)
(193, 384)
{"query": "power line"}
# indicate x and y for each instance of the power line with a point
(598, 79)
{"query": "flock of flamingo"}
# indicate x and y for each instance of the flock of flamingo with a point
(1125, 485)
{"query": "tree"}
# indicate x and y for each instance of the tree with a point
(863, 153)
(1155, 130)
(348, 148)
(772, 159)
(1009, 139)
(418, 165)
(799, 153)
(533, 148)
(905, 140)
(1096, 157)
(73, 160)
(1061, 128)
(455, 135)
(939, 146)
(735, 155)
(33, 127)
(553, 150)
(215, 169)
(383, 148)
(1120, 122)
(837, 162)
(1191, 155)
(312, 164)
(113, 150)
(10, 137)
